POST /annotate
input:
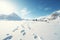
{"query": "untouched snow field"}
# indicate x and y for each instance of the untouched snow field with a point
(29, 30)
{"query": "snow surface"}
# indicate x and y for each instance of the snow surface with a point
(30, 30)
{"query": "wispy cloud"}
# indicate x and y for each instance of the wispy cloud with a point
(46, 9)
(24, 12)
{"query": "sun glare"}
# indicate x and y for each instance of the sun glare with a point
(6, 8)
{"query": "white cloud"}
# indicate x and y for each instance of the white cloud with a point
(24, 12)
(47, 9)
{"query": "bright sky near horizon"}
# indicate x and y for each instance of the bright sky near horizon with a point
(6, 8)
(29, 8)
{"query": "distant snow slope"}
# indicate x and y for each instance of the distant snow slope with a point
(30, 30)
(13, 17)
(55, 15)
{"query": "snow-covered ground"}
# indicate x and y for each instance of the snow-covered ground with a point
(30, 30)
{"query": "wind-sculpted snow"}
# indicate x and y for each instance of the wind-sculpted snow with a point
(29, 30)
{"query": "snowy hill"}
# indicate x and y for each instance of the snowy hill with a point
(44, 28)
(51, 17)
(12, 17)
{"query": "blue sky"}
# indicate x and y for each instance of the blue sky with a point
(38, 7)
(35, 8)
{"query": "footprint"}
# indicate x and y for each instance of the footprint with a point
(23, 32)
(35, 36)
(8, 38)
(16, 29)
